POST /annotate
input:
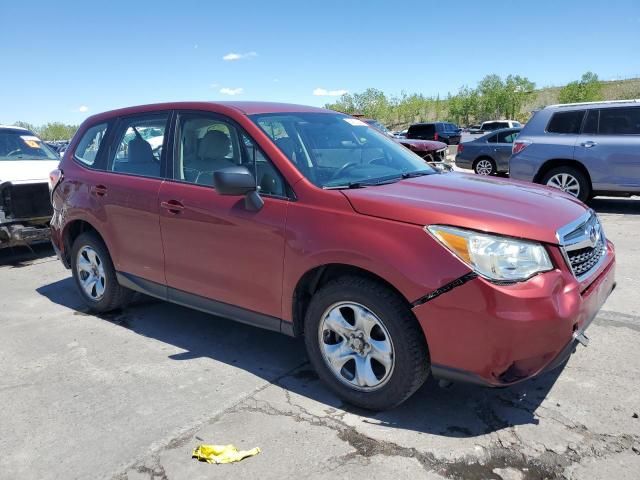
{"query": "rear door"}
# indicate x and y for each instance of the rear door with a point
(126, 193)
(609, 147)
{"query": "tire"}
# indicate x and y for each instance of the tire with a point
(485, 166)
(575, 182)
(395, 326)
(106, 294)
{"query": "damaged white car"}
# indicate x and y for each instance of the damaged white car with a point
(25, 203)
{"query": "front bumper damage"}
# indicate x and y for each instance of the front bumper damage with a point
(493, 335)
(25, 212)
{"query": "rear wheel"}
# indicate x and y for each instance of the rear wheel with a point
(485, 166)
(569, 180)
(95, 275)
(365, 343)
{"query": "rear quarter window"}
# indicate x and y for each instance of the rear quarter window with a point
(89, 144)
(566, 122)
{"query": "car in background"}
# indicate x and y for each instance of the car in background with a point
(400, 133)
(445, 132)
(25, 204)
(492, 125)
(489, 154)
(431, 151)
(584, 149)
(311, 223)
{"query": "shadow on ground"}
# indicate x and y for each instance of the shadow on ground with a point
(457, 411)
(627, 206)
(16, 257)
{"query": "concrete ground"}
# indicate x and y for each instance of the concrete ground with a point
(129, 395)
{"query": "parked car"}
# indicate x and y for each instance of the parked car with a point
(400, 133)
(25, 206)
(498, 124)
(311, 223)
(584, 149)
(489, 154)
(474, 129)
(431, 151)
(439, 131)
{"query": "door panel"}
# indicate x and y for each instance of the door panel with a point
(129, 207)
(612, 156)
(214, 247)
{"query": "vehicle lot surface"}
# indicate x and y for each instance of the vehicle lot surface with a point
(129, 395)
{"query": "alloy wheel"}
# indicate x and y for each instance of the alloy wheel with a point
(91, 273)
(484, 167)
(356, 346)
(565, 182)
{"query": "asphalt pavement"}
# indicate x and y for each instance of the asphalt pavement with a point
(130, 394)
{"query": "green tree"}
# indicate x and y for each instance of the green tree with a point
(587, 89)
(56, 131)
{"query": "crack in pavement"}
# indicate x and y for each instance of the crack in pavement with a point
(506, 450)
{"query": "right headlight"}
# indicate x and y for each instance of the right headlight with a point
(494, 257)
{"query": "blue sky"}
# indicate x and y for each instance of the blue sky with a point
(66, 60)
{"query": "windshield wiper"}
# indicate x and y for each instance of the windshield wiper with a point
(417, 173)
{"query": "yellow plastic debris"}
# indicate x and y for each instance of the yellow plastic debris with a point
(221, 453)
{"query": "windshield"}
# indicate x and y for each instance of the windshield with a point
(17, 145)
(338, 151)
(450, 127)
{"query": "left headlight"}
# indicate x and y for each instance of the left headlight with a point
(494, 257)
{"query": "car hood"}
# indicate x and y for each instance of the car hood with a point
(25, 171)
(422, 145)
(506, 207)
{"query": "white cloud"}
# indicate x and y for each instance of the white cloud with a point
(231, 91)
(323, 92)
(83, 109)
(230, 57)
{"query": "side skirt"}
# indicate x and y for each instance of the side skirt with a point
(204, 304)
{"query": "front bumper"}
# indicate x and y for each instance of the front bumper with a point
(13, 235)
(495, 335)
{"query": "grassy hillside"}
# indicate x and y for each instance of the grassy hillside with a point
(611, 90)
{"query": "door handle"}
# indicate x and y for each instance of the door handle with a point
(99, 190)
(172, 206)
(588, 144)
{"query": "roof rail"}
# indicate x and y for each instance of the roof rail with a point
(602, 102)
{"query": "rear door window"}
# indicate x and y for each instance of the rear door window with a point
(566, 122)
(591, 122)
(89, 144)
(620, 121)
(507, 137)
(138, 145)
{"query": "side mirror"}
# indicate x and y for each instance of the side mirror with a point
(238, 181)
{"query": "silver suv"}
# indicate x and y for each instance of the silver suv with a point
(585, 149)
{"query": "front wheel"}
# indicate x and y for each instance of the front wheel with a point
(365, 343)
(95, 275)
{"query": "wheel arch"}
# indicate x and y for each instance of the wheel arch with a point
(484, 156)
(72, 231)
(559, 162)
(318, 276)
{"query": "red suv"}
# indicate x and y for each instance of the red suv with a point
(309, 222)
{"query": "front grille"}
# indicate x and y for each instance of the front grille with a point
(27, 201)
(583, 260)
(583, 244)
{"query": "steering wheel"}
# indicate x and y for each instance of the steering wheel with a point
(350, 165)
(13, 153)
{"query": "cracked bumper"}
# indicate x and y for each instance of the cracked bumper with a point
(496, 336)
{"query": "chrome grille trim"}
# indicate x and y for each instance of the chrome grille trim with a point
(583, 245)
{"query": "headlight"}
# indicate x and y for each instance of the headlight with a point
(494, 257)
